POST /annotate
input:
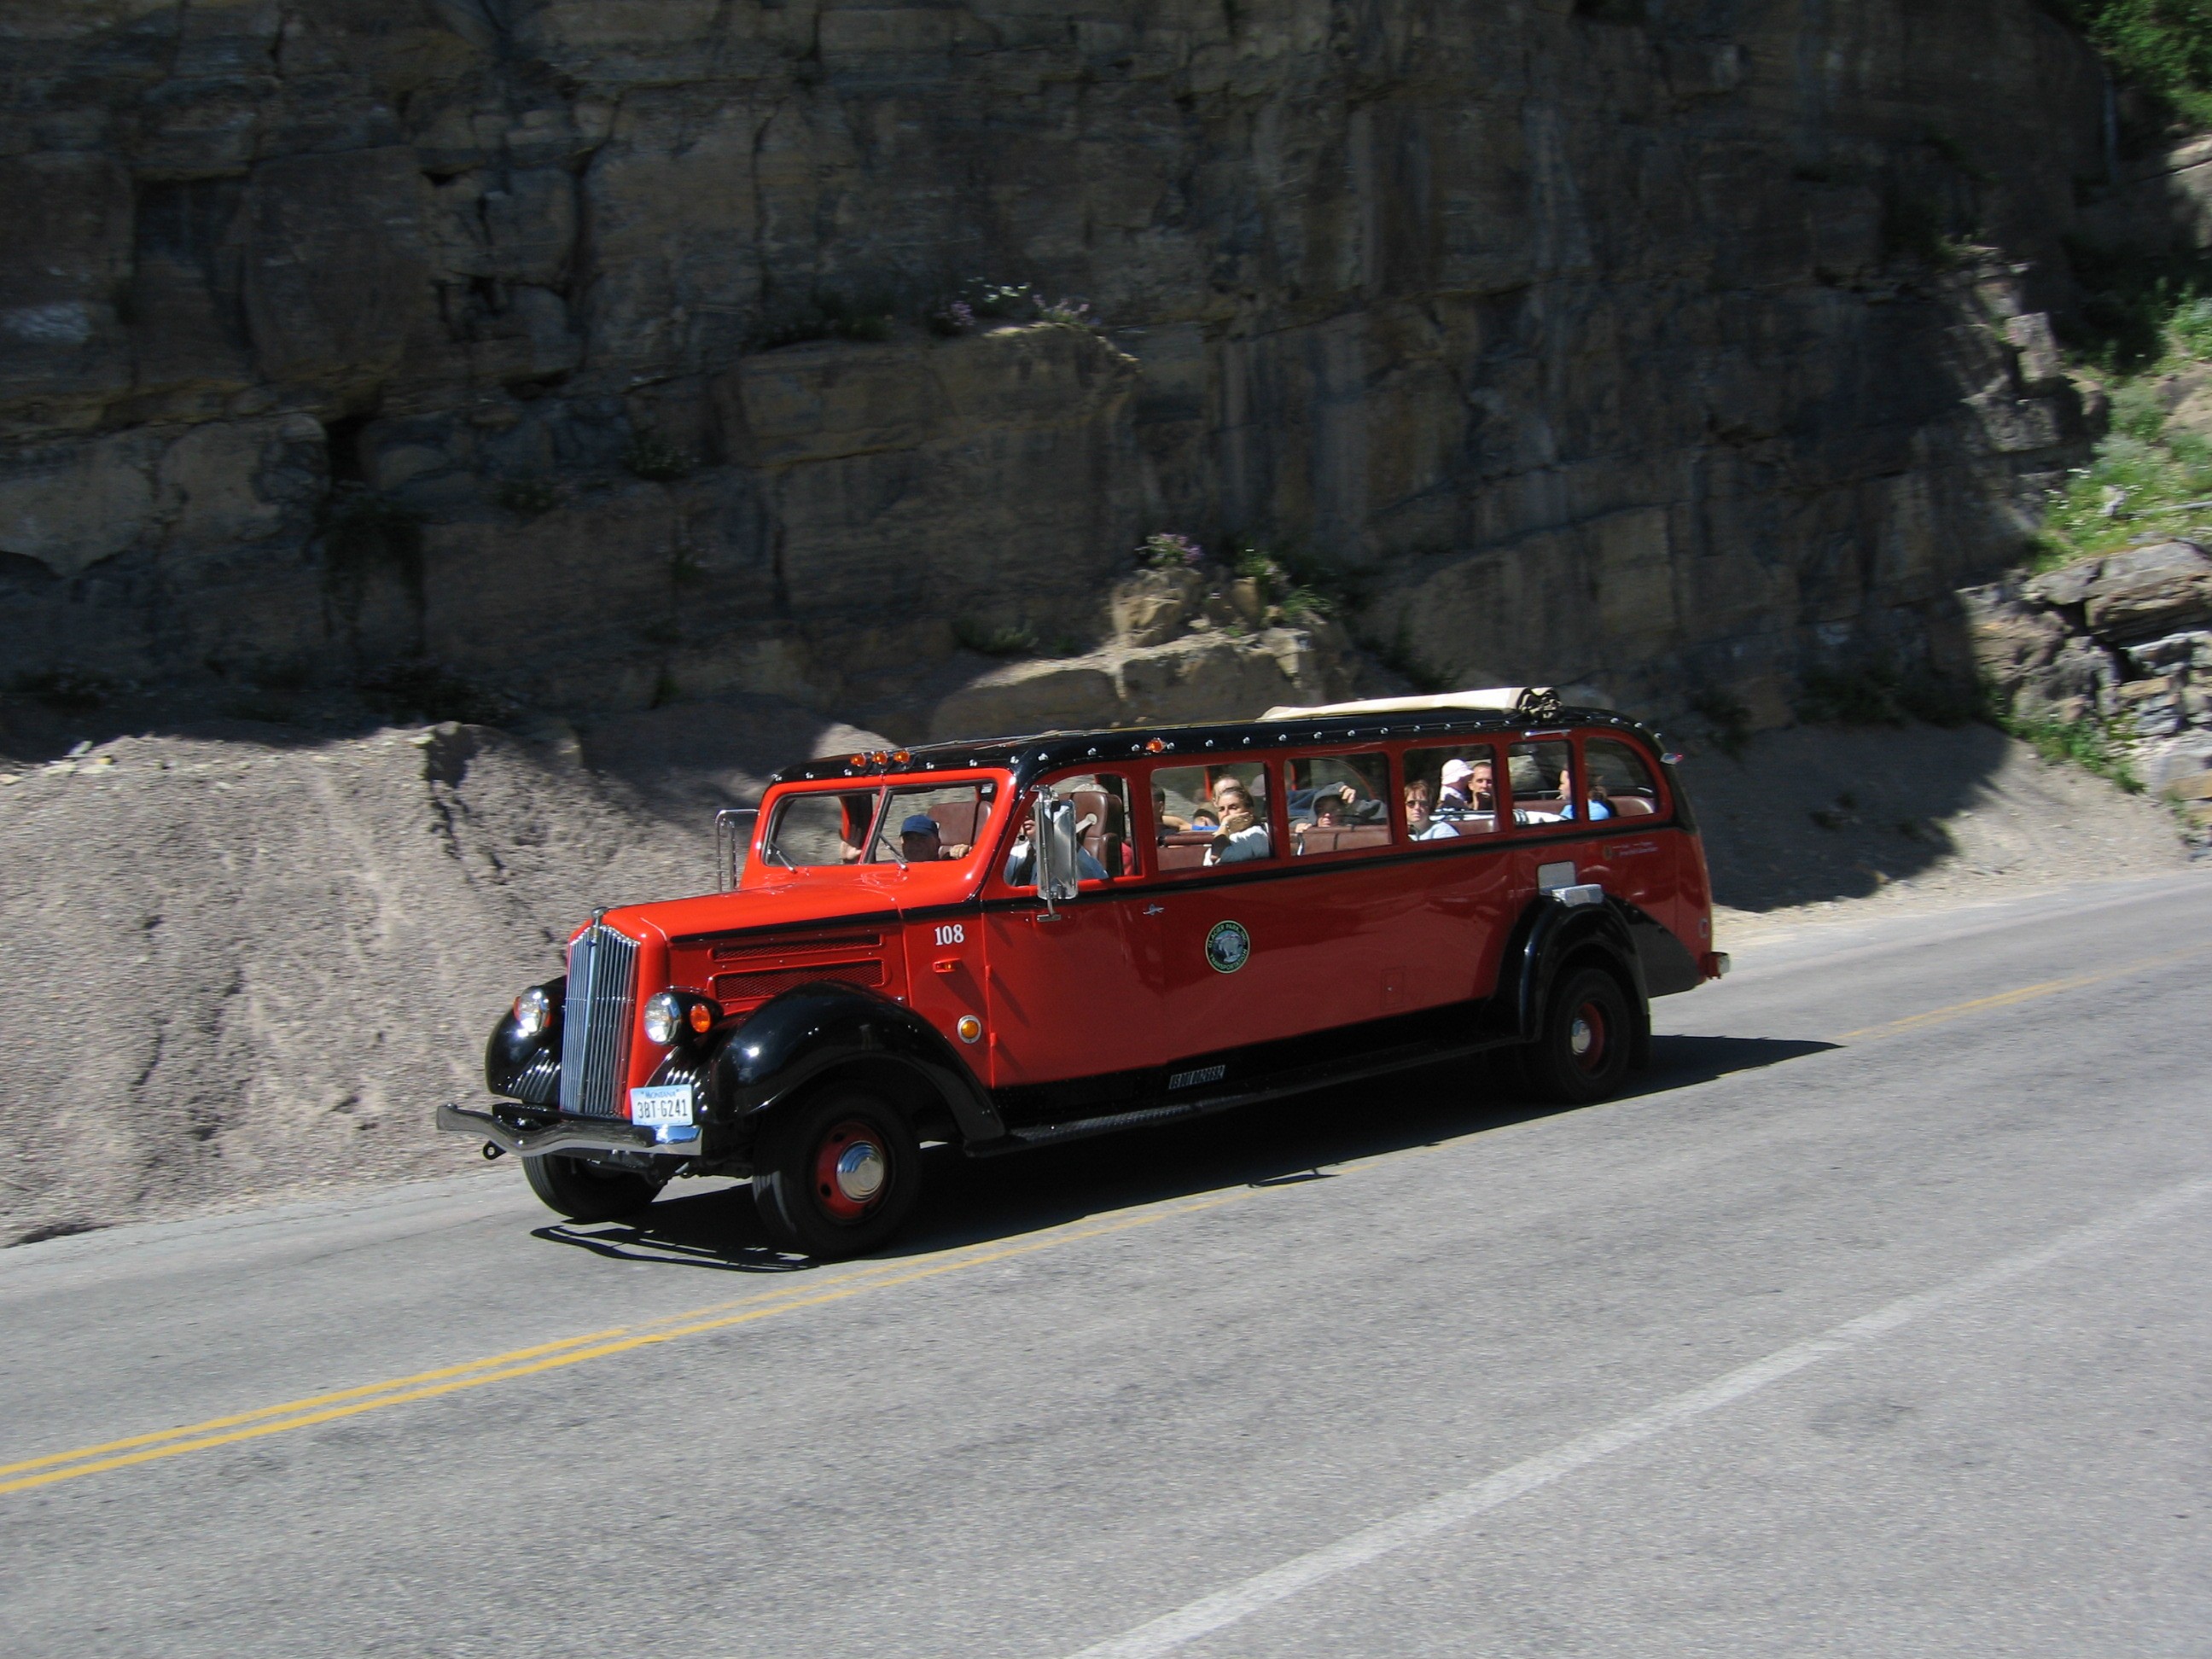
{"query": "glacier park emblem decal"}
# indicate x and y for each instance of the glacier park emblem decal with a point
(1228, 946)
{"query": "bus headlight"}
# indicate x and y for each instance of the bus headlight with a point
(533, 1011)
(664, 1017)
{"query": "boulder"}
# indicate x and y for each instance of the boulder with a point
(2069, 585)
(2076, 683)
(2013, 641)
(2150, 590)
(1152, 607)
(1030, 696)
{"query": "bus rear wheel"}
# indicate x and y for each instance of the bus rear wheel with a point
(588, 1192)
(1582, 1053)
(839, 1178)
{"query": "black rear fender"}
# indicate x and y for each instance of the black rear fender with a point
(1550, 939)
(828, 1034)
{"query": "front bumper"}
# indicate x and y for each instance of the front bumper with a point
(567, 1134)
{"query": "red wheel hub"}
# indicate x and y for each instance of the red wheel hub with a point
(852, 1170)
(1586, 1037)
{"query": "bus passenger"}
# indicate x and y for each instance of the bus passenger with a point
(1420, 826)
(1242, 836)
(1019, 860)
(1457, 799)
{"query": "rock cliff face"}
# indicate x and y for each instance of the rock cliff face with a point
(1616, 341)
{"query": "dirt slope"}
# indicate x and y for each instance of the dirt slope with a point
(1815, 817)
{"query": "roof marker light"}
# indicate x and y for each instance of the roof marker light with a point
(1156, 746)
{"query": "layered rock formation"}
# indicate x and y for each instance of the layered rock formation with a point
(1618, 341)
(2124, 639)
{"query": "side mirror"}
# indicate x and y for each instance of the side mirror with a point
(1053, 835)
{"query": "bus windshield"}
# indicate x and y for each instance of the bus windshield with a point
(932, 824)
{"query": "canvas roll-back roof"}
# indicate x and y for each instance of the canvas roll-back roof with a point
(1536, 701)
(1489, 709)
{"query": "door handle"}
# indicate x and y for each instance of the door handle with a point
(1155, 909)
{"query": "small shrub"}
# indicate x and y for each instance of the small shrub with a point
(989, 641)
(2096, 745)
(650, 456)
(1248, 559)
(1009, 302)
(528, 497)
(979, 301)
(954, 318)
(1167, 550)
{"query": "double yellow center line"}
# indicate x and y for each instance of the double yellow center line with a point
(2049, 988)
(266, 1420)
(56, 1467)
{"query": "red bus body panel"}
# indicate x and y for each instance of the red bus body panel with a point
(1120, 978)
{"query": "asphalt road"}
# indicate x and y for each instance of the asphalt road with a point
(1874, 1322)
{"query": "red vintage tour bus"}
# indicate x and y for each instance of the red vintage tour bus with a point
(1007, 943)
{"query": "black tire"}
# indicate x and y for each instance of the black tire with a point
(588, 1192)
(803, 1200)
(1582, 1053)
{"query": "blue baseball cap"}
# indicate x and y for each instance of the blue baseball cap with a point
(920, 823)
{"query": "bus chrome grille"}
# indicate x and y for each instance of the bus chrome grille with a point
(596, 1022)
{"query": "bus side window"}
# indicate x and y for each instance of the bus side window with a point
(1543, 781)
(1339, 802)
(1210, 815)
(1620, 780)
(1103, 847)
(1451, 791)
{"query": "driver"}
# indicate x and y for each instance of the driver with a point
(920, 841)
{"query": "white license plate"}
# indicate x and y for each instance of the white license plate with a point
(669, 1104)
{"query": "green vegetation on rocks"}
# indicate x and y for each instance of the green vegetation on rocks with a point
(2146, 335)
(2163, 46)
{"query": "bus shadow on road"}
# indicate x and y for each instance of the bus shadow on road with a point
(967, 1201)
(1684, 1062)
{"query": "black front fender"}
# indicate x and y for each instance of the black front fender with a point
(814, 1029)
(528, 1068)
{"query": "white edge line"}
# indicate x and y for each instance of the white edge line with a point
(1209, 1614)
